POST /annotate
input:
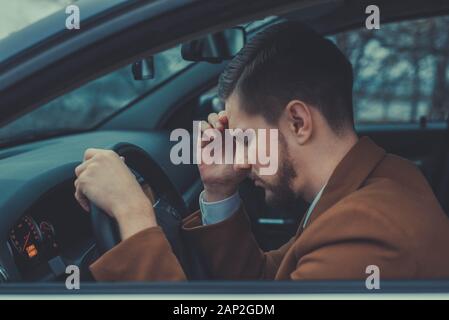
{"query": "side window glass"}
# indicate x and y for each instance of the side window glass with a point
(400, 71)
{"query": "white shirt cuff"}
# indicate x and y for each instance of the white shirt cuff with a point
(215, 212)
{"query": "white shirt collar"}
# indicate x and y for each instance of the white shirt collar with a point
(312, 206)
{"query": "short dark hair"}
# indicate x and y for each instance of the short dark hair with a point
(289, 61)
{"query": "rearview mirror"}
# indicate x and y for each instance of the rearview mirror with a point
(216, 47)
(143, 69)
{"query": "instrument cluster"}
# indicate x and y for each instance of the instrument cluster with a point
(32, 242)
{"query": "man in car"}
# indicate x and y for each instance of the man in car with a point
(367, 208)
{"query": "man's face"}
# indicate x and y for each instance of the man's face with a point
(279, 191)
(278, 188)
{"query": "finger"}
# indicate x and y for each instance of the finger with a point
(205, 125)
(208, 134)
(89, 153)
(207, 130)
(222, 117)
(81, 198)
(80, 168)
(214, 122)
(84, 203)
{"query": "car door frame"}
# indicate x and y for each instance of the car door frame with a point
(18, 87)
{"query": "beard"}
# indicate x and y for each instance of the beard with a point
(280, 194)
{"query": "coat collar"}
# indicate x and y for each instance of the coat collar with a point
(348, 175)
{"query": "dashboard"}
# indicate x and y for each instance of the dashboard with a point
(53, 233)
(42, 227)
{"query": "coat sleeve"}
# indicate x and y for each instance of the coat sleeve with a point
(146, 256)
(229, 250)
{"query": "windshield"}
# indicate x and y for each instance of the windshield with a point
(84, 108)
(87, 106)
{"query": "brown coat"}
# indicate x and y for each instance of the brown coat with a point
(376, 209)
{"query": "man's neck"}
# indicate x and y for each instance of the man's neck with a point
(324, 162)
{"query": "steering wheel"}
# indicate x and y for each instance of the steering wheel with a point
(168, 206)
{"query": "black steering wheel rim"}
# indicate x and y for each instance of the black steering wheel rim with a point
(169, 207)
(105, 228)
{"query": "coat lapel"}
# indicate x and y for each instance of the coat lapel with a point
(348, 176)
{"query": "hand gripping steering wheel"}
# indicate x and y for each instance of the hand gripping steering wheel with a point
(168, 205)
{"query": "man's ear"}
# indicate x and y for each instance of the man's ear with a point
(299, 118)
